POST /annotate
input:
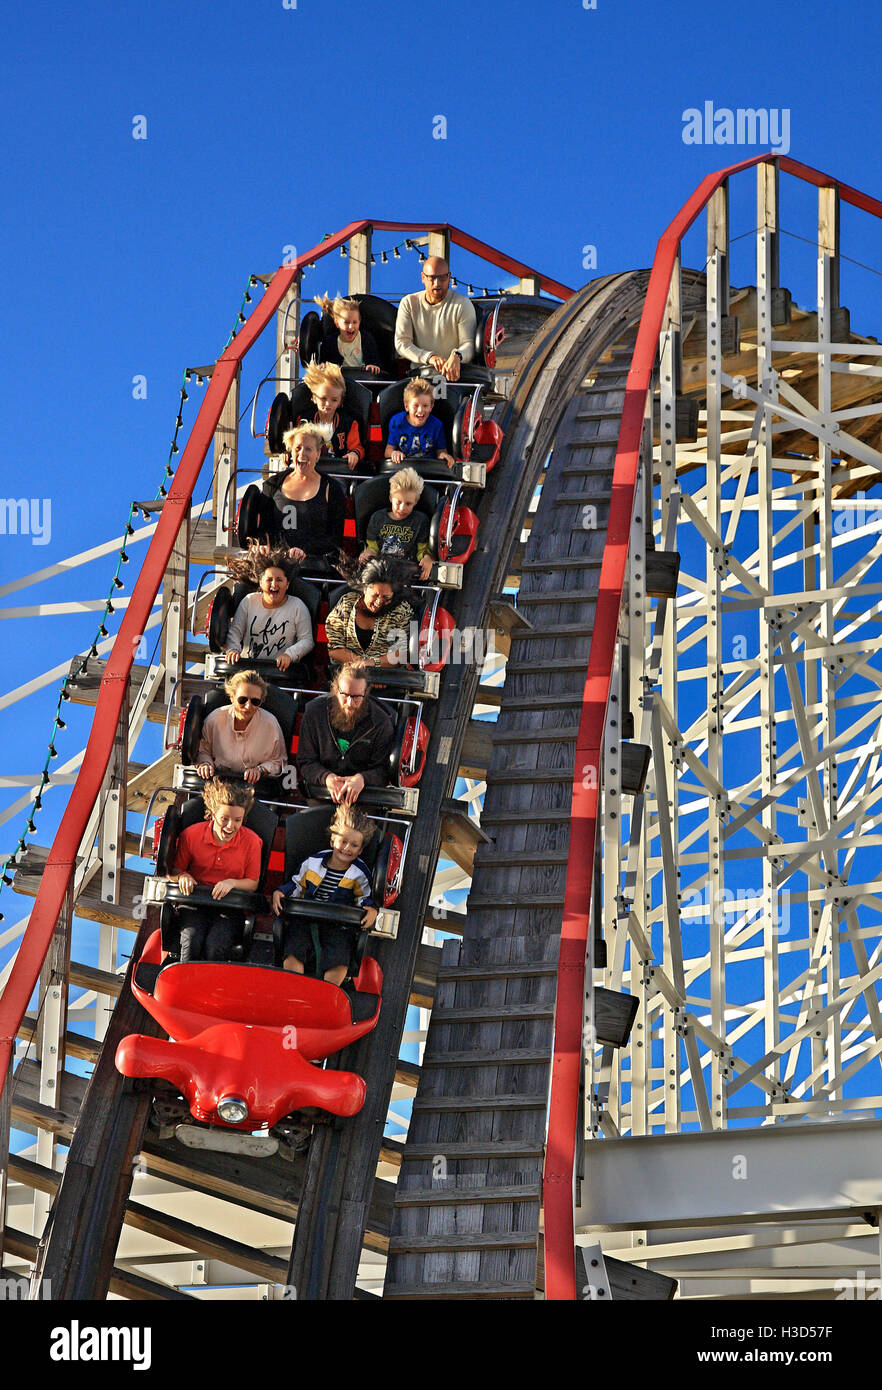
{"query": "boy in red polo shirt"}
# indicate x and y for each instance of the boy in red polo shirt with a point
(220, 853)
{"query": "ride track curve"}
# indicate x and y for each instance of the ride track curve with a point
(338, 1270)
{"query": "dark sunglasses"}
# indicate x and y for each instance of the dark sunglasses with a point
(244, 700)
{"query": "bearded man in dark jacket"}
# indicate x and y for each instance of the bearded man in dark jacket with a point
(345, 738)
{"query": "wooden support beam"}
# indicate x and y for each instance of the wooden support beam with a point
(226, 458)
(438, 244)
(425, 976)
(460, 835)
(89, 905)
(75, 1044)
(477, 749)
(207, 1243)
(80, 1242)
(504, 619)
(360, 262)
(144, 780)
(122, 1282)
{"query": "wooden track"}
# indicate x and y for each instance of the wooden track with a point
(468, 1199)
(342, 1161)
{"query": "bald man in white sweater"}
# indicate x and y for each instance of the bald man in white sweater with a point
(436, 327)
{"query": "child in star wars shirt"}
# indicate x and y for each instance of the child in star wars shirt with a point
(398, 530)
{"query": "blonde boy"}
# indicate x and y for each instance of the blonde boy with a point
(399, 531)
(415, 431)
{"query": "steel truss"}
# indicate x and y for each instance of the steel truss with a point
(742, 891)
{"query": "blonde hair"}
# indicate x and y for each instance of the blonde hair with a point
(338, 306)
(320, 433)
(406, 480)
(419, 387)
(217, 793)
(350, 818)
(324, 374)
(232, 683)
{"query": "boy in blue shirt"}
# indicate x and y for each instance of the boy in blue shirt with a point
(415, 431)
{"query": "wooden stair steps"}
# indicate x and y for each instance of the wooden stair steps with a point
(517, 970)
(466, 1196)
(493, 859)
(438, 1104)
(459, 1289)
(499, 1057)
(557, 596)
(463, 1240)
(487, 1013)
(479, 900)
(558, 815)
(561, 665)
(475, 1148)
(565, 562)
(547, 634)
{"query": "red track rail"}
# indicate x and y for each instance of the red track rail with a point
(560, 1276)
(62, 856)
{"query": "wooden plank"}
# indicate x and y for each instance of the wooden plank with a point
(29, 873)
(75, 1044)
(505, 1056)
(508, 971)
(501, 1148)
(455, 1196)
(477, 749)
(465, 1240)
(495, 1102)
(122, 1282)
(460, 1290)
(90, 977)
(460, 835)
(133, 1286)
(207, 1243)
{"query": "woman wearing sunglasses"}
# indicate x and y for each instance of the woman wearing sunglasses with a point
(241, 737)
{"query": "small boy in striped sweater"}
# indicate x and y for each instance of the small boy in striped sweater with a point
(335, 875)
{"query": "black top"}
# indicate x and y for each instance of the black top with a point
(314, 526)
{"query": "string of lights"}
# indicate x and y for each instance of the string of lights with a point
(240, 317)
(81, 668)
(410, 245)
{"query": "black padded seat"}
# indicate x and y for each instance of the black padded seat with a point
(146, 975)
(377, 316)
(307, 832)
(223, 610)
(373, 496)
(263, 822)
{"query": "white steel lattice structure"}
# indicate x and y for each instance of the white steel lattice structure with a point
(741, 890)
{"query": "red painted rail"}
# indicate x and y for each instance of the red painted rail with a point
(560, 1268)
(62, 855)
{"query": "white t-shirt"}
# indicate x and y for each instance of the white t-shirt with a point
(271, 632)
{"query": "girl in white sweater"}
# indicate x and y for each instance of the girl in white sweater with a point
(270, 624)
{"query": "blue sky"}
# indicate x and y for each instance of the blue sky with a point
(268, 126)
